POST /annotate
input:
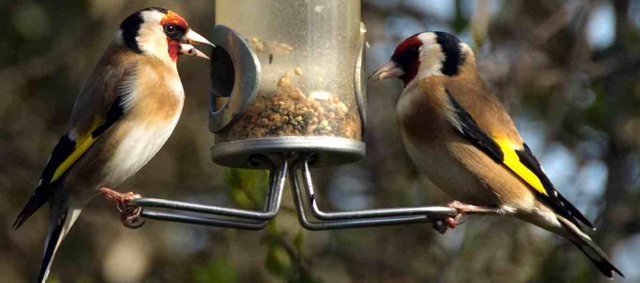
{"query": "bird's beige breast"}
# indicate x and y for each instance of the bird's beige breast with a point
(445, 170)
(156, 94)
(152, 111)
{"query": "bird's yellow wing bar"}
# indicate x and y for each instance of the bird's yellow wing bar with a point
(512, 161)
(83, 143)
(68, 151)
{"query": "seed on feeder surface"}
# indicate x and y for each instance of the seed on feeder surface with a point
(299, 118)
(324, 123)
(298, 71)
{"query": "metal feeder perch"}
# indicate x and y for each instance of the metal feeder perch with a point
(287, 94)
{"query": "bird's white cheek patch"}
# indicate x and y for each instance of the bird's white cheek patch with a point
(431, 56)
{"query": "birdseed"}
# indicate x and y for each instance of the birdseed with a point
(289, 112)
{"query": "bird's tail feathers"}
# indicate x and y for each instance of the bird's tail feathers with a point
(59, 226)
(589, 248)
(39, 198)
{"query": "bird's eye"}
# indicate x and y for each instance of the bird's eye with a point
(169, 28)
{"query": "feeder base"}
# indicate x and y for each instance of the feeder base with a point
(330, 151)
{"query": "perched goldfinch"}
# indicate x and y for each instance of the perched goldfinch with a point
(457, 132)
(125, 113)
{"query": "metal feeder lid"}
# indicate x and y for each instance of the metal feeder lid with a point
(235, 74)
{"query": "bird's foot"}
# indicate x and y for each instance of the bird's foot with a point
(442, 224)
(130, 216)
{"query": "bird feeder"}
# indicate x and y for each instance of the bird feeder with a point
(288, 94)
(287, 79)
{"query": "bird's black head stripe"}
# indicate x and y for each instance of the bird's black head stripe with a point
(130, 27)
(454, 58)
(159, 9)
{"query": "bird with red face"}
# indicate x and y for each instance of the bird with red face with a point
(126, 111)
(459, 135)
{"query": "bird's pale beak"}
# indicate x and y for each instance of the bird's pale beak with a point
(190, 37)
(390, 70)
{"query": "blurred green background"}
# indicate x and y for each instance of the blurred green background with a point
(567, 71)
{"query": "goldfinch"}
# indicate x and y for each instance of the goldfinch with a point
(122, 117)
(458, 134)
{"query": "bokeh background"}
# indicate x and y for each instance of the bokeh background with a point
(567, 71)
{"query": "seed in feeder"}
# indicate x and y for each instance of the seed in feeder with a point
(272, 46)
(342, 107)
(284, 81)
(285, 47)
(298, 71)
(297, 94)
(288, 111)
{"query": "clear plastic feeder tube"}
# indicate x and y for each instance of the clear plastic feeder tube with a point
(308, 53)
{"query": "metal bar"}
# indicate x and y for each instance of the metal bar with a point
(343, 223)
(371, 213)
(277, 179)
(257, 220)
(199, 220)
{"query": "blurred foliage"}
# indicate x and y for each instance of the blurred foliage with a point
(576, 104)
(218, 270)
(248, 187)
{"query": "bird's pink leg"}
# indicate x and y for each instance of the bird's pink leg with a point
(442, 225)
(130, 216)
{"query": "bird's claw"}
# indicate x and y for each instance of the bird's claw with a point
(442, 224)
(129, 215)
(133, 220)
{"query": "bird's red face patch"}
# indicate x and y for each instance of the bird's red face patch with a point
(174, 43)
(407, 56)
(173, 18)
